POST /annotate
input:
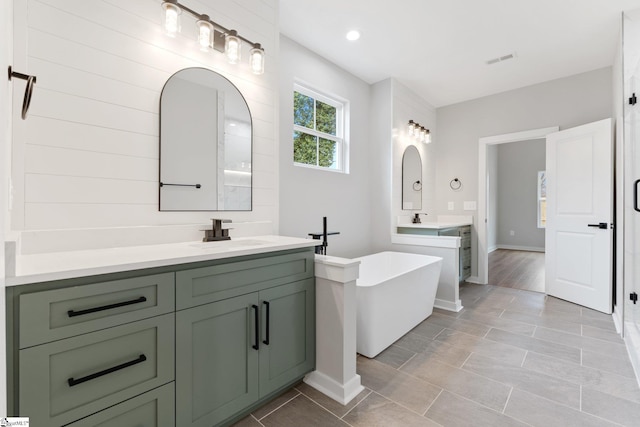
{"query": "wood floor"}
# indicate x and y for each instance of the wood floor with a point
(517, 269)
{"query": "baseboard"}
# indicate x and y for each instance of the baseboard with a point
(448, 305)
(341, 393)
(474, 279)
(521, 248)
(491, 249)
(632, 342)
(617, 320)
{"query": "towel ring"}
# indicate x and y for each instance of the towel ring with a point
(417, 186)
(455, 184)
(31, 80)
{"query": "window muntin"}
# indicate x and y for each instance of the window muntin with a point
(318, 130)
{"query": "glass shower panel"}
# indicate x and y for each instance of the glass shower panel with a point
(631, 155)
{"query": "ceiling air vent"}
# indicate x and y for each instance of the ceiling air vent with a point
(501, 58)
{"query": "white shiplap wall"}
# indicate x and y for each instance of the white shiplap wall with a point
(87, 156)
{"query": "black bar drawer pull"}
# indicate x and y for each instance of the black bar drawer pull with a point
(635, 195)
(266, 340)
(72, 313)
(73, 382)
(256, 346)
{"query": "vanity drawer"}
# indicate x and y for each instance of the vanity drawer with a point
(66, 380)
(61, 313)
(209, 284)
(154, 408)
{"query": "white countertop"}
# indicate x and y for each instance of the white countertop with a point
(72, 264)
(434, 225)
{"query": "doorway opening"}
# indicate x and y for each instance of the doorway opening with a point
(516, 206)
(485, 180)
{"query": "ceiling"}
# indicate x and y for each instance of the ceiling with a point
(439, 48)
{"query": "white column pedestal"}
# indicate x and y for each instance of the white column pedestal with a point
(335, 374)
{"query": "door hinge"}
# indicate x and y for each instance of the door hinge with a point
(633, 100)
(633, 297)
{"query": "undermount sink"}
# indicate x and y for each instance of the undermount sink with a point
(226, 244)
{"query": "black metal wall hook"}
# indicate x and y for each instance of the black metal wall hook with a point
(31, 80)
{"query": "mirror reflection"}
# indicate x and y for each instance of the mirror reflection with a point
(205, 144)
(411, 179)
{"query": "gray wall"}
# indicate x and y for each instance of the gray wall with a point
(306, 195)
(518, 165)
(566, 102)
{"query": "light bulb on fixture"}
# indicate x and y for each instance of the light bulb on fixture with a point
(427, 137)
(423, 133)
(232, 47)
(171, 17)
(256, 59)
(412, 128)
(205, 32)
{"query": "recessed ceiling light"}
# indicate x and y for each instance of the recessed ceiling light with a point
(353, 35)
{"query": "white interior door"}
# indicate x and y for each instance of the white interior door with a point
(579, 212)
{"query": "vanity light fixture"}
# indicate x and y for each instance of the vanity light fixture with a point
(233, 47)
(171, 13)
(210, 35)
(205, 33)
(256, 59)
(418, 132)
(412, 128)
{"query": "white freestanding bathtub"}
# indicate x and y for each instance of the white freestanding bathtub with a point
(394, 293)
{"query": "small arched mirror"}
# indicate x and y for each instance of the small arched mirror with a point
(411, 179)
(205, 144)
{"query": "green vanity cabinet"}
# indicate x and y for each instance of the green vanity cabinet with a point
(464, 233)
(236, 352)
(216, 366)
(152, 409)
(290, 352)
(197, 344)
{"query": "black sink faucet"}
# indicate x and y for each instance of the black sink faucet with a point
(416, 218)
(217, 232)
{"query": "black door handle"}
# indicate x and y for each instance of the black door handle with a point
(266, 340)
(635, 195)
(600, 225)
(256, 346)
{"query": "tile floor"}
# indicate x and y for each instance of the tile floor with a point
(509, 358)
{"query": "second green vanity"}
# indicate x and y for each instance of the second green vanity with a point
(464, 232)
(189, 344)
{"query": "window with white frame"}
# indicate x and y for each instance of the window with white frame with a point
(318, 130)
(542, 199)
